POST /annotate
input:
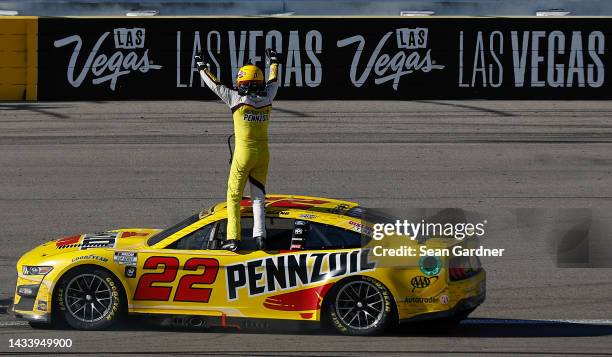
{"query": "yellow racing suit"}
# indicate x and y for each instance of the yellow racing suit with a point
(251, 114)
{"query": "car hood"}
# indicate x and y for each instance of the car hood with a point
(120, 239)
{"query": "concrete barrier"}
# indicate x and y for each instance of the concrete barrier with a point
(347, 58)
(18, 58)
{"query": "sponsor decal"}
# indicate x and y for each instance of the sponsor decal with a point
(90, 257)
(420, 300)
(532, 59)
(444, 299)
(391, 67)
(361, 228)
(307, 216)
(115, 299)
(99, 240)
(301, 66)
(502, 58)
(421, 282)
(130, 271)
(133, 234)
(255, 116)
(126, 258)
(67, 242)
(267, 275)
(95, 240)
(60, 298)
(42, 305)
(103, 67)
(430, 265)
(299, 235)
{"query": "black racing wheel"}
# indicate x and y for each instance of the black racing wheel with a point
(360, 306)
(89, 298)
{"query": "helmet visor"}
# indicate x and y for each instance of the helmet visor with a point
(247, 87)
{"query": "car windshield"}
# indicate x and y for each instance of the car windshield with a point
(177, 227)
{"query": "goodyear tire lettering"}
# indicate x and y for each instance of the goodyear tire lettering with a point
(388, 317)
(116, 304)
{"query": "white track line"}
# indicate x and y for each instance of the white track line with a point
(477, 321)
(13, 323)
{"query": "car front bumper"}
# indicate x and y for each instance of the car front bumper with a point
(32, 317)
(35, 305)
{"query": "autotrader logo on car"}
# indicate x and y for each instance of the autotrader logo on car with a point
(108, 67)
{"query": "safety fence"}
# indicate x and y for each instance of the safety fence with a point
(352, 58)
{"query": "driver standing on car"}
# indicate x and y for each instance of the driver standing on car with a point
(251, 105)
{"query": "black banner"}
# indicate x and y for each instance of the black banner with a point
(328, 58)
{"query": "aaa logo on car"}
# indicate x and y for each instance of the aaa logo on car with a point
(421, 282)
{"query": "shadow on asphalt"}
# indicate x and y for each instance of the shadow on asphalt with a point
(478, 328)
(496, 328)
(38, 108)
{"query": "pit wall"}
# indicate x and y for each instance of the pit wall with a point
(345, 58)
(18, 58)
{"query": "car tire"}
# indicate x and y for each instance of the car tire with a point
(360, 306)
(89, 298)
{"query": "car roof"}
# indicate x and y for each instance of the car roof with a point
(283, 202)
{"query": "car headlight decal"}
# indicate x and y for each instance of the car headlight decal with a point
(27, 290)
(36, 270)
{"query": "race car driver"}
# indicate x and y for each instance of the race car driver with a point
(251, 105)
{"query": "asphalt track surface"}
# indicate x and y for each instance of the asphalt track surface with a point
(67, 168)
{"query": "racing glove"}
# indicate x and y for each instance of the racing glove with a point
(200, 63)
(271, 56)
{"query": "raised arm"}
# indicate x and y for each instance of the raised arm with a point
(226, 94)
(272, 84)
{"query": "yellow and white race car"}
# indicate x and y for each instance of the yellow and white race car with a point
(318, 267)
